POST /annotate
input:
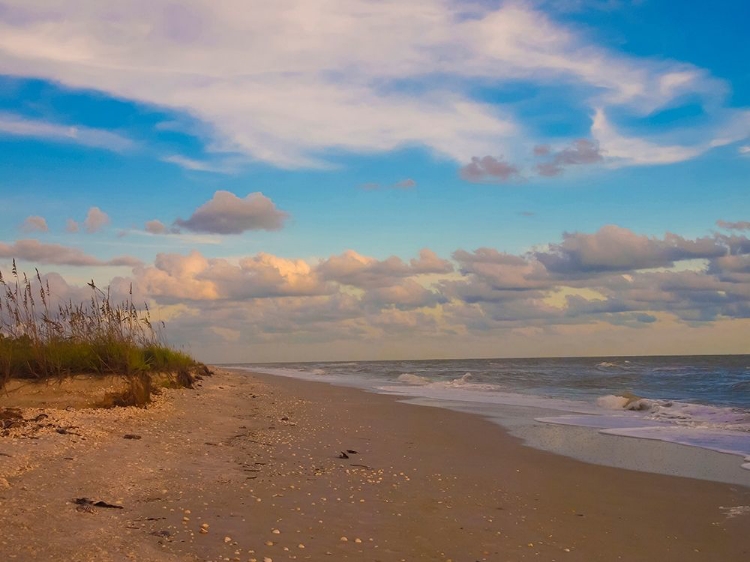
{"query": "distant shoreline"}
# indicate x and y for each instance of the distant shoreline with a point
(503, 358)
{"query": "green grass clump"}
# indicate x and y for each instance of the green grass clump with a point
(39, 341)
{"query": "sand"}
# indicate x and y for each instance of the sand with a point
(254, 462)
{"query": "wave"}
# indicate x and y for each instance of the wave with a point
(412, 379)
(626, 401)
(467, 378)
(685, 414)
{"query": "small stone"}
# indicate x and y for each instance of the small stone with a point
(300, 545)
(267, 559)
(276, 532)
(344, 539)
(204, 525)
(227, 539)
(269, 543)
(358, 540)
(203, 530)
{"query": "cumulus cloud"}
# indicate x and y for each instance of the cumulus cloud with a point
(502, 271)
(738, 225)
(351, 268)
(156, 227)
(581, 151)
(488, 169)
(35, 223)
(274, 88)
(404, 295)
(96, 219)
(613, 248)
(195, 277)
(578, 285)
(56, 254)
(71, 226)
(226, 213)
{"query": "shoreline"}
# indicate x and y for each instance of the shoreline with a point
(250, 454)
(589, 445)
(538, 426)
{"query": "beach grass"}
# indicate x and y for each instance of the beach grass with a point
(42, 341)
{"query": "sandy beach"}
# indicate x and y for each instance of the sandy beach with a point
(250, 467)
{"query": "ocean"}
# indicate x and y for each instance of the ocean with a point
(696, 401)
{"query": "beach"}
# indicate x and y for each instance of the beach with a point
(256, 467)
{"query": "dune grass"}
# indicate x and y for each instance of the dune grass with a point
(99, 337)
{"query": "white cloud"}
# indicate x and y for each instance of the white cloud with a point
(199, 165)
(744, 150)
(71, 226)
(35, 224)
(584, 283)
(156, 227)
(286, 81)
(21, 126)
(622, 150)
(226, 213)
(56, 254)
(96, 219)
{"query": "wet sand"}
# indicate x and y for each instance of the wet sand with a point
(254, 461)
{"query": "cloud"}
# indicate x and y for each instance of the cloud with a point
(404, 295)
(197, 278)
(35, 224)
(200, 166)
(407, 183)
(56, 254)
(613, 248)
(351, 268)
(744, 150)
(583, 285)
(226, 213)
(96, 138)
(739, 225)
(404, 184)
(581, 151)
(96, 219)
(488, 169)
(366, 77)
(156, 227)
(623, 150)
(71, 226)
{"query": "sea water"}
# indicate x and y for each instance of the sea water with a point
(696, 401)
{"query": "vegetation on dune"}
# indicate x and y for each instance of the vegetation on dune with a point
(41, 341)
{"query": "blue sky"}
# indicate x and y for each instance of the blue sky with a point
(267, 174)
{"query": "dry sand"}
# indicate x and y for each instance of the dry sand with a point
(253, 460)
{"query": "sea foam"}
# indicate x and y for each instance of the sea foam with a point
(410, 378)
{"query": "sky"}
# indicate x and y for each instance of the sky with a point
(395, 179)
